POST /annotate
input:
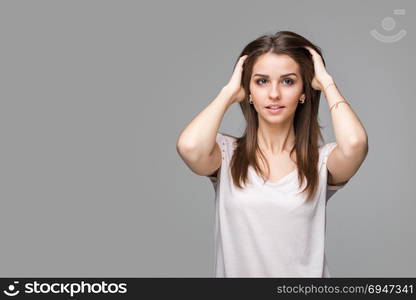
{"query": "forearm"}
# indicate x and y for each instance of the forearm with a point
(349, 132)
(199, 137)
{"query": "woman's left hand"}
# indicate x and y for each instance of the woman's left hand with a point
(321, 78)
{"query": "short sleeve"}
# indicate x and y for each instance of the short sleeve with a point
(227, 145)
(220, 140)
(331, 189)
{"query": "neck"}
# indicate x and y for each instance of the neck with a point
(276, 139)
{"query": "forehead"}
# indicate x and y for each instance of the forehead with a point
(275, 64)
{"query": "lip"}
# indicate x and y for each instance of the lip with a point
(275, 111)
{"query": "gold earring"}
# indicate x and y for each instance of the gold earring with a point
(250, 101)
(302, 99)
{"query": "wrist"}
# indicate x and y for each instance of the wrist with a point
(328, 80)
(227, 95)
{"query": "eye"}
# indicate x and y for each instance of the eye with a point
(287, 79)
(290, 80)
(260, 80)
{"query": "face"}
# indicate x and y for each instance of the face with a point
(276, 80)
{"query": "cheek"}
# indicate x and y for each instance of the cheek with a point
(259, 92)
(294, 93)
(253, 88)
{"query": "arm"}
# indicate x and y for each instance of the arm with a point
(197, 142)
(351, 137)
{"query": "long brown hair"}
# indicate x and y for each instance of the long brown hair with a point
(306, 126)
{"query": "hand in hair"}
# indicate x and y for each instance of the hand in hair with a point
(321, 78)
(234, 86)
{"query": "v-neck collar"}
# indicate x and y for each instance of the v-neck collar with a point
(281, 181)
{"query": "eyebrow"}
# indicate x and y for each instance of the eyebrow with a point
(267, 76)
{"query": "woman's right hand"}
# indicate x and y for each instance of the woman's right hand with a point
(234, 86)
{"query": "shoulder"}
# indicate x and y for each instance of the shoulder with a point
(227, 143)
(326, 146)
(226, 138)
(324, 151)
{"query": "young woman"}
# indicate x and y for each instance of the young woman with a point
(272, 184)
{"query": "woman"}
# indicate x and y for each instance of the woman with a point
(270, 222)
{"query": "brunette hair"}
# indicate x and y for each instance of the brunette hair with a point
(306, 125)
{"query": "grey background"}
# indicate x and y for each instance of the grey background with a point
(95, 93)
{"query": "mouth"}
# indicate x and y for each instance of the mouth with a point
(275, 108)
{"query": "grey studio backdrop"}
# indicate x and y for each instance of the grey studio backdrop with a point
(95, 93)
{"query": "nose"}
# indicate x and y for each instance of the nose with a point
(274, 91)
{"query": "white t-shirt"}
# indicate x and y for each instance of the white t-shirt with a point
(266, 230)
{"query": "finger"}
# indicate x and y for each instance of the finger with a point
(308, 48)
(311, 50)
(241, 61)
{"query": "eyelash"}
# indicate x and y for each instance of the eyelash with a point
(292, 81)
